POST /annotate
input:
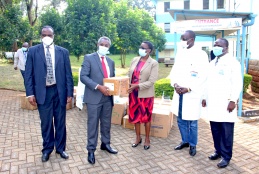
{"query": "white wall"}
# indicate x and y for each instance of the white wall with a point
(254, 32)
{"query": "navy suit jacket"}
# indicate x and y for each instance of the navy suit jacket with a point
(92, 74)
(36, 72)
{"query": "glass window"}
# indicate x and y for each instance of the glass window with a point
(205, 4)
(187, 4)
(220, 4)
(166, 6)
(167, 27)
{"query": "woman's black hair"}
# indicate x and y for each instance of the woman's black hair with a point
(150, 45)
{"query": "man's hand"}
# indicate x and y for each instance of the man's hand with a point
(179, 89)
(231, 106)
(69, 99)
(132, 87)
(203, 103)
(104, 90)
(15, 68)
(32, 100)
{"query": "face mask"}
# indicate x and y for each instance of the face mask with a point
(103, 50)
(47, 40)
(184, 44)
(217, 51)
(142, 52)
(24, 49)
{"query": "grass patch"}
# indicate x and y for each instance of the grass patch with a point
(12, 79)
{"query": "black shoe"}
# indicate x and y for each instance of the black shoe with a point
(146, 147)
(45, 157)
(63, 154)
(135, 145)
(214, 156)
(181, 145)
(91, 158)
(108, 148)
(223, 163)
(192, 150)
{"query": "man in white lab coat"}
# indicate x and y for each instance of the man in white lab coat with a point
(224, 84)
(188, 76)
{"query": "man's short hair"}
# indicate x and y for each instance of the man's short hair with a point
(191, 33)
(47, 26)
(225, 41)
(105, 38)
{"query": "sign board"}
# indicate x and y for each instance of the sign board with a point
(250, 113)
(208, 24)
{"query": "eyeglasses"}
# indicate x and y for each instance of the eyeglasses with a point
(143, 48)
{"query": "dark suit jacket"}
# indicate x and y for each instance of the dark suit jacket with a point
(36, 72)
(92, 74)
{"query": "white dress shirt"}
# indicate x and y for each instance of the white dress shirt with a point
(52, 52)
(106, 64)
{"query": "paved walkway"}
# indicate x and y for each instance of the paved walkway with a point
(20, 147)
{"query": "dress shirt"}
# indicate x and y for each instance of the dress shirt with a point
(20, 59)
(52, 52)
(106, 64)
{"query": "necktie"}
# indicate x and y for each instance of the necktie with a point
(104, 68)
(50, 78)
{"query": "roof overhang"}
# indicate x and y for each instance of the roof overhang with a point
(182, 15)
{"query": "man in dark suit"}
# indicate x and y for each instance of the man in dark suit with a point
(95, 68)
(49, 85)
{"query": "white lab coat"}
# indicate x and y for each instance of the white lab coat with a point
(224, 84)
(189, 71)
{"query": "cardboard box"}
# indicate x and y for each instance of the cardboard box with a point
(118, 111)
(160, 123)
(25, 104)
(126, 124)
(72, 103)
(167, 107)
(117, 85)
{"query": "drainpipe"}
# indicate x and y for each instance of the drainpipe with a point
(252, 19)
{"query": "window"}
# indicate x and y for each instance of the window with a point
(220, 4)
(205, 4)
(166, 6)
(167, 27)
(187, 4)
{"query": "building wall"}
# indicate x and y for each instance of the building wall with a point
(230, 6)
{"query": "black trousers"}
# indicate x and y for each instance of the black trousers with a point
(223, 135)
(53, 117)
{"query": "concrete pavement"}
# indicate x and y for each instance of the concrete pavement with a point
(21, 143)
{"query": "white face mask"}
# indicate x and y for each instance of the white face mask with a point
(184, 44)
(103, 50)
(142, 52)
(47, 40)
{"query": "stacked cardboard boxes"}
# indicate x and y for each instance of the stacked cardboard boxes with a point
(160, 124)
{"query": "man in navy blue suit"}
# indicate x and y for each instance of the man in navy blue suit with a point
(49, 85)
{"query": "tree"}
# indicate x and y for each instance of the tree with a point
(13, 28)
(32, 11)
(86, 21)
(133, 27)
(52, 18)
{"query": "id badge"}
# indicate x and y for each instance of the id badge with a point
(221, 72)
(194, 73)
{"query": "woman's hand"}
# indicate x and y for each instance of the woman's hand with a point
(132, 87)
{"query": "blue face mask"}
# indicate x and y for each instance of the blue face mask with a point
(217, 51)
(24, 49)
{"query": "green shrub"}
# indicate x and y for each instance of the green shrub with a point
(75, 78)
(247, 81)
(164, 85)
